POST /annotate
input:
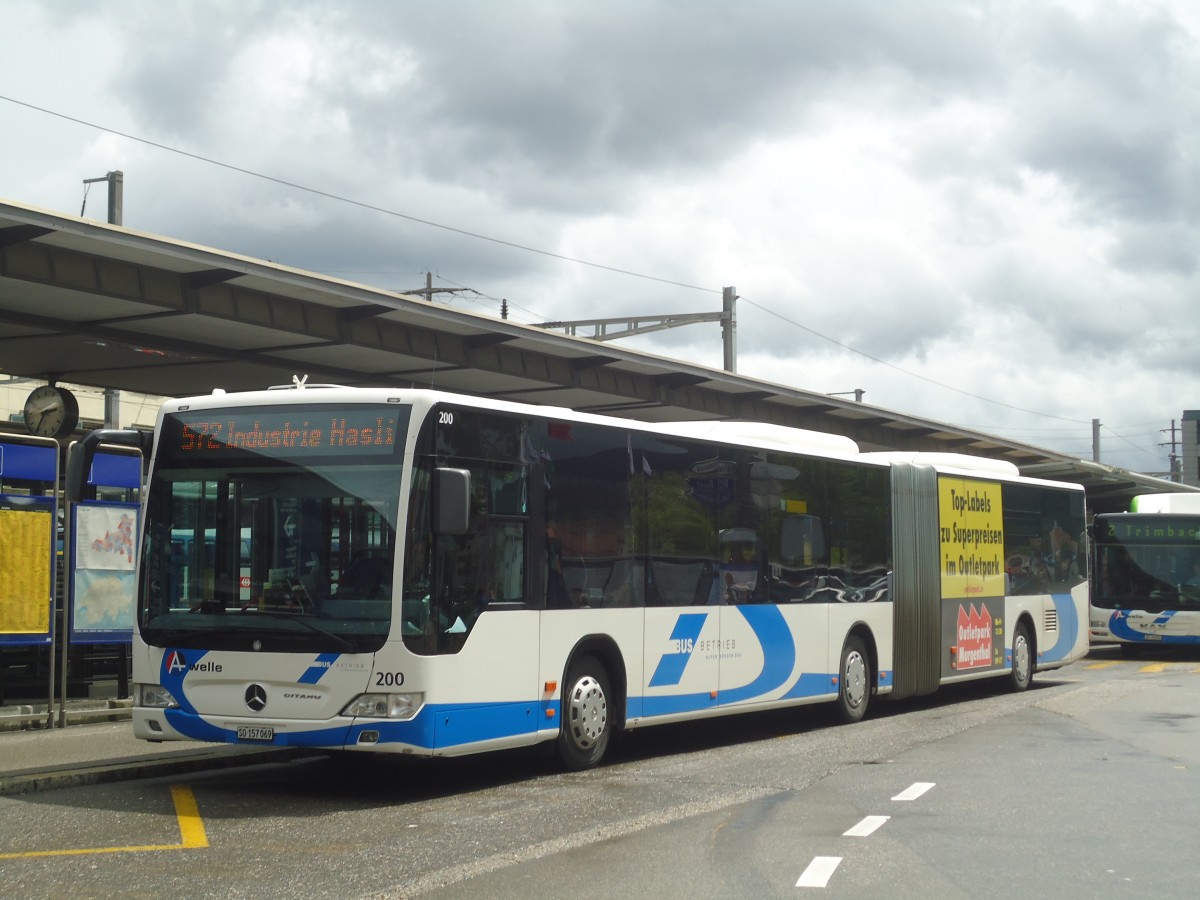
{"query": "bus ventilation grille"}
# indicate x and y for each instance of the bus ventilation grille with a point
(1051, 620)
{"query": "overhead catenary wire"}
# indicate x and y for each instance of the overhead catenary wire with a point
(329, 195)
(522, 247)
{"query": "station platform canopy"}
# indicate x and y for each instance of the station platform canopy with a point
(88, 303)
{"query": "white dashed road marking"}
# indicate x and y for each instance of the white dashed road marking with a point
(915, 791)
(821, 869)
(866, 827)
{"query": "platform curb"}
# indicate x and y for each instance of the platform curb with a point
(29, 781)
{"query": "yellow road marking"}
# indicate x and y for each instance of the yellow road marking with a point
(191, 832)
(1107, 664)
(1153, 668)
(191, 826)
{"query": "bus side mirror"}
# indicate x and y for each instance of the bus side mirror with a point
(451, 501)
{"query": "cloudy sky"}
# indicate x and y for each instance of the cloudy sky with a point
(984, 213)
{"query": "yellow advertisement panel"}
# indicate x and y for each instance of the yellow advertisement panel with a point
(25, 571)
(971, 520)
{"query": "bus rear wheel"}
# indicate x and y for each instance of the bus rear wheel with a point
(854, 680)
(586, 715)
(1022, 659)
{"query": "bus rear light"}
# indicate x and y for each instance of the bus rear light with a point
(153, 696)
(385, 706)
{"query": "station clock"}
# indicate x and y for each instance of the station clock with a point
(51, 411)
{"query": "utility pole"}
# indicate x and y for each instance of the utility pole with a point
(635, 325)
(429, 290)
(729, 327)
(112, 419)
(116, 216)
(1174, 458)
(1095, 440)
(116, 196)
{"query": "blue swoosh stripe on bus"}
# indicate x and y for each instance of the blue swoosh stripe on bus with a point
(189, 724)
(171, 677)
(778, 651)
(812, 684)
(671, 665)
(194, 727)
(1119, 626)
(1068, 630)
(441, 727)
(677, 703)
(322, 665)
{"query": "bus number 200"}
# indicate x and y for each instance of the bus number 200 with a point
(389, 679)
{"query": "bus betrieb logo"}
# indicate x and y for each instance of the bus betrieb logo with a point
(682, 642)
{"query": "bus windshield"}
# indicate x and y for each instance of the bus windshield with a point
(1147, 562)
(275, 531)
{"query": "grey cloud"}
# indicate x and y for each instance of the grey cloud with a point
(559, 106)
(1108, 106)
(1170, 249)
(551, 124)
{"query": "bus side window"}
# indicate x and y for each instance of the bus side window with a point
(482, 567)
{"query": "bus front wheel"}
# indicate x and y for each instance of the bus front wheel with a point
(1022, 659)
(586, 715)
(854, 680)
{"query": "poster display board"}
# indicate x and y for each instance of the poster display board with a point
(28, 512)
(971, 520)
(104, 554)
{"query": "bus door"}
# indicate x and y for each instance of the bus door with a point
(775, 623)
(739, 648)
(689, 580)
(470, 597)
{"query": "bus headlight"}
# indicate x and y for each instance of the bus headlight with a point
(385, 706)
(153, 696)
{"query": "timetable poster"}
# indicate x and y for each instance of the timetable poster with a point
(26, 564)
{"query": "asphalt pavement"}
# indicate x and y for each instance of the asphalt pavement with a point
(97, 745)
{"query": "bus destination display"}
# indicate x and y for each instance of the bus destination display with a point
(284, 432)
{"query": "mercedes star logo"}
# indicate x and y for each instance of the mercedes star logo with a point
(256, 697)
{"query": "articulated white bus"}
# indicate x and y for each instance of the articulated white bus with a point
(1146, 573)
(424, 573)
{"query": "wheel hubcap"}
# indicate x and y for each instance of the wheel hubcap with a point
(855, 679)
(588, 712)
(1021, 659)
